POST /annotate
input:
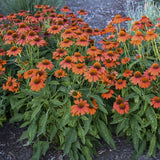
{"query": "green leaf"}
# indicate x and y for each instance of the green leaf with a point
(86, 152)
(105, 133)
(143, 109)
(16, 118)
(71, 137)
(53, 131)
(135, 140)
(117, 120)
(64, 120)
(54, 82)
(44, 147)
(121, 126)
(37, 150)
(136, 90)
(35, 111)
(152, 117)
(24, 135)
(81, 133)
(152, 145)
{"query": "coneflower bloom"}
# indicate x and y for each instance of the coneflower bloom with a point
(8, 35)
(144, 19)
(120, 105)
(80, 107)
(92, 75)
(107, 45)
(144, 82)
(78, 57)
(22, 28)
(155, 102)
(148, 74)
(31, 35)
(65, 9)
(125, 60)
(45, 64)
(96, 32)
(67, 63)
(38, 41)
(123, 36)
(111, 55)
(151, 35)
(137, 38)
(136, 26)
(93, 51)
(60, 73)
(110, 28)
(30, 73)
(82, 12)
(55, 29)
(75, 94)
(108, 94)
(59, 53)
(36, 83)
(2, 17)
(22, 40)
(2, 52)
(42, 74)
(118, 19)
(78, 33)
(14, 51)
(68, 33)
(127, 73)
(11, 85)
(66, 43)
(2, 62)
(120, 84)
(136, 78)
(79, 68)
(99, 68)
(109, 63)
(155, 69)
(100, 56)
(82, 41)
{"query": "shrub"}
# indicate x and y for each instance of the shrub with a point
(68, 92)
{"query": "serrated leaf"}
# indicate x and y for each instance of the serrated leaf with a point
(36, 111)
(44, 146)
(136, 90)
(71, 137)
(152, 117)
(81, 133)
(86, 152)
(17, 118)
(105, 133)
(117, 120)
(152, 145)
(121, 126)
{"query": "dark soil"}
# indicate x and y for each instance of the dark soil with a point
(100, 12)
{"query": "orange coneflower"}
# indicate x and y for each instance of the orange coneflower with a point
(66, 43)
(2, 62)
(123, 36)
(120, 105)
(75, 94)
(78, 33)
(68, 33)
(55, 29)
(65, 9)
(8, 35)
(120, 84)
(31, 35)
(111, 55)
(11, 84)
(30, 73)
(60, 73)
(155, 69)
(127, 73)
(82, 12)
(107, 45)
(144, 82)
(78, 57)
(59, 53)
(96, 32)
(144, 19)
(93, 51)
(148, 74)
(22, 40)
(136, 26)
(92, 75)
(82, 41)
(45, 64)
(2, 17)
(14, 51)
(118, 19)
(125, 60)
(22, 28)
(137, 38)
(119, 50)
(67, 63)
(2, 52)
(108, 94)
(136, 78)
(38, 41)
(110, 28)
(99, 68)
(155, 102)
(109, 63)
(36, 83)
(79, 68)
(100, 56)
(80, 107)
(42, 74)
(151, 35)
